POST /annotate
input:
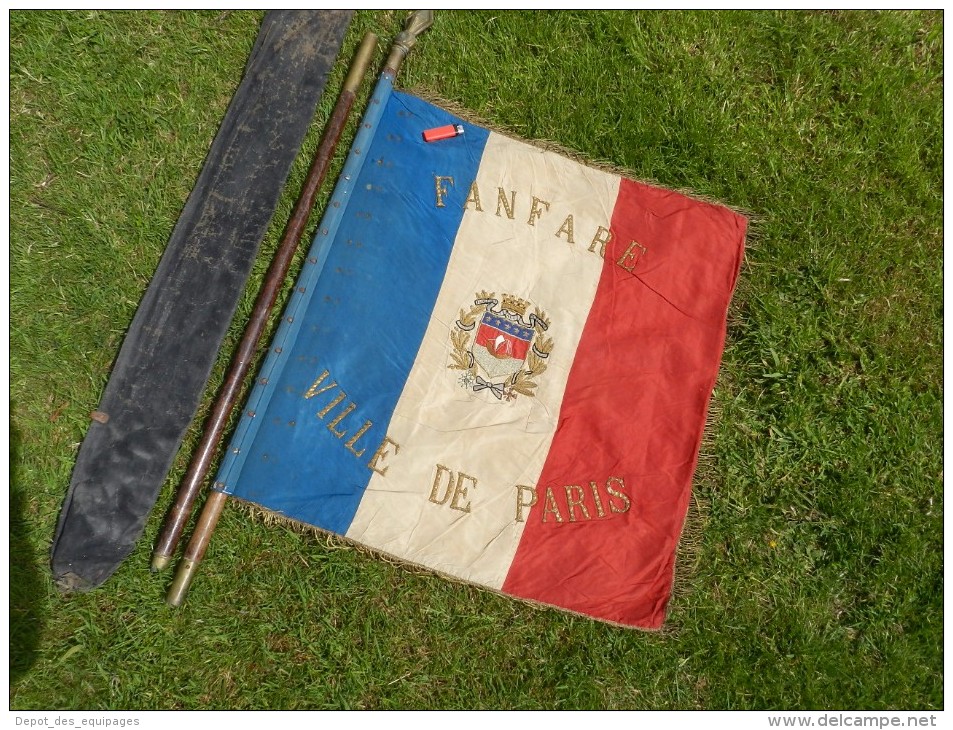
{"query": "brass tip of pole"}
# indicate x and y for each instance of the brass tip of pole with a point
(180, 584)
(160, 563)
(417, 23)
(362, 59)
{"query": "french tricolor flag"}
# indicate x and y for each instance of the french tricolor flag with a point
(496, 363)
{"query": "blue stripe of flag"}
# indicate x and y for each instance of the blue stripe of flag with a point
(366, 314)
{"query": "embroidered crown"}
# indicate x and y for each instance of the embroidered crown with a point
(515, 304)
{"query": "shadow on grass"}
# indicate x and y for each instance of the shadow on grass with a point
(27, 586)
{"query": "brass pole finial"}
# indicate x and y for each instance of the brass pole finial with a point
(416, 24)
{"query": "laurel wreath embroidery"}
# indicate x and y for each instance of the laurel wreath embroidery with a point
(522, 382)
(460, 337)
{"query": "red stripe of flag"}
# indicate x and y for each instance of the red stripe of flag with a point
(611, 501)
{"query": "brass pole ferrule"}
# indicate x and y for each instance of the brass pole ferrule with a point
(362, 60)
(160, 563)
(180, 584)
(196, 548)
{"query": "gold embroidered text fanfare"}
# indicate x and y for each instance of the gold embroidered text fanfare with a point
(506, 205)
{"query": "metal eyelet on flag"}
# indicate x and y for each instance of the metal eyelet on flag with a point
(277, 350)
(251, 414)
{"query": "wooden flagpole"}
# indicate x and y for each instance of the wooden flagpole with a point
(416, 24)
(202, 459)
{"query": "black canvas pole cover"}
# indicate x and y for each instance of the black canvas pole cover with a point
(167, 356)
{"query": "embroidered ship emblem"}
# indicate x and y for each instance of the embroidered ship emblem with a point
(507, 350)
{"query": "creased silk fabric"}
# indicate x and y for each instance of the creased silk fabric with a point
(496, 364)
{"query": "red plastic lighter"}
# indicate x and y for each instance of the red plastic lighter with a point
(445, 132)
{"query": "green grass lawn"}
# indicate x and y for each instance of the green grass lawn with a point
(815, 574)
